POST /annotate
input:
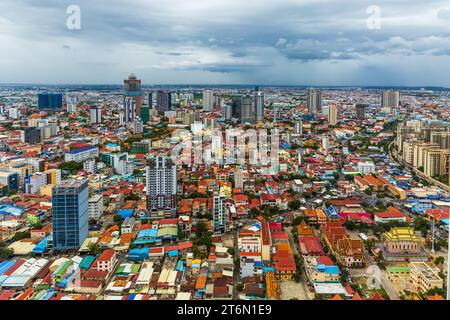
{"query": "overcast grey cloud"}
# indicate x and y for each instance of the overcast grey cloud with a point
(299, 42)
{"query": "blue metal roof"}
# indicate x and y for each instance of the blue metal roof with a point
(83, 149)
(41, 246)
(125, 213)
(6, 265)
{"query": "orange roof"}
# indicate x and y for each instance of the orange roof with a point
(435, 297)
(201, 283)
(356, 296)
(106, 255)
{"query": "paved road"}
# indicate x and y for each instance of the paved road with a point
(235, 270)
(385, 283)
(293, 244)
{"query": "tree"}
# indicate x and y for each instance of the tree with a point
(294, 205)
(420, 224)
(350, 225)
(298, 220)
(5, 252)
(203, 237)
(117, 218)
(440, 260)
(71, 166)
(94, 248)
(22, 235)
(254, 212)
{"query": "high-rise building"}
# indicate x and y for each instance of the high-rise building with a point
(70, 216)
(53, 176)
(236, 107)
(390, 99)
(247, 109)
(325, 143)
(361, 111)
(96, 114)
(90, 166)
(227, 112)
(32, 135)
(259, 104)
(121, 117)
(129, 110)
(145, 114)
(239, 179)
(299, 127)
(14, 113)
(163, 101)
(161, 179)
(96, 206)
(220, 216)
(208, 100)
(34, 182)
(314, 101)
(133, 90)
(10, 179)
(150, 99)
(50, 101)
(332, 115)
(138, 125)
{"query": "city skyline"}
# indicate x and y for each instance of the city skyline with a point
(357, 43)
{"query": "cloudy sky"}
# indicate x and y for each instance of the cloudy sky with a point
(292, 42)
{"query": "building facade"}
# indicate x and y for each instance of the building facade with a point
(161, 183)
(70, 214)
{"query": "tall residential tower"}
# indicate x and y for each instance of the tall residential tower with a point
(70, 214)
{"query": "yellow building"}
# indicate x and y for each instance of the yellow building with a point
(272, 288)
(321, 216)
(403, 244)
(53, 176)
(46, 190)
(424, 277)
(398, 273)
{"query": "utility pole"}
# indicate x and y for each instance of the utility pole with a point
(432, 236)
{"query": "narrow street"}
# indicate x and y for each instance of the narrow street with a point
(293, 245)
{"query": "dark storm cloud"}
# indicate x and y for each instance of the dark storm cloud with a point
(250, 39)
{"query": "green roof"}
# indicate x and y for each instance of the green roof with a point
(135, 268)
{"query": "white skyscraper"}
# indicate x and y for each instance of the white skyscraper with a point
(299, 127)
(220, 216)
(129, 109)
(208, 100)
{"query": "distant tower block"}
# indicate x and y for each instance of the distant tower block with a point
(133, 90)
